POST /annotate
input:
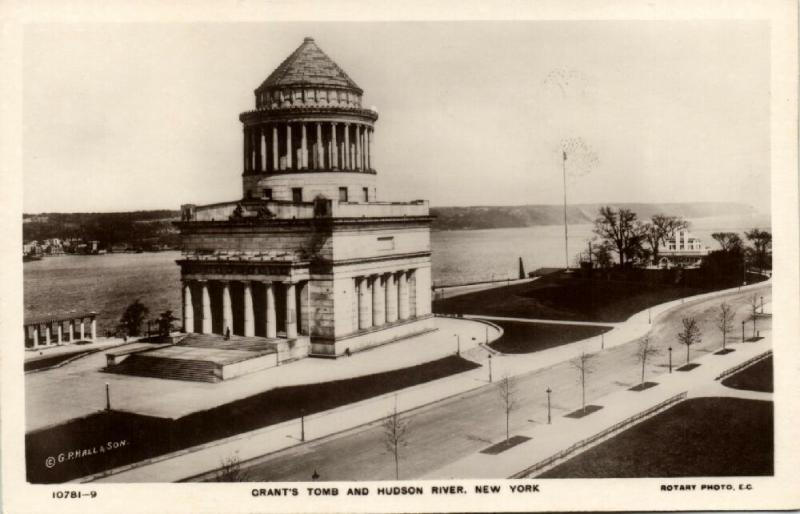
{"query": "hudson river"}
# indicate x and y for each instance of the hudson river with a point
(108, 283)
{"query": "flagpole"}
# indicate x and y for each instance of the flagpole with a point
(566, 234)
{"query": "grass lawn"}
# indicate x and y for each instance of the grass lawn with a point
(46, 362)
(697, 437)
(757, 377)
(559, 296)
(520, 337)
(146, 436)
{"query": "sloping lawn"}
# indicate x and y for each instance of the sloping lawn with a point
(757, 377)
(521, 337)
(697, 437)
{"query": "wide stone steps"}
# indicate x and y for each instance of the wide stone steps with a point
(175, 369)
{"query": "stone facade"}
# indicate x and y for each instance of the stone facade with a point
(308, 253)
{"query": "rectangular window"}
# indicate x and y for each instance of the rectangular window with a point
(386, 243)
(366, 194)
(297, 194)
(266, 194)
(342, 194)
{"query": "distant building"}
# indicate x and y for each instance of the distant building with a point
(308, 254)
(683, 250)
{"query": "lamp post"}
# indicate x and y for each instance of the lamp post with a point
(490, 368)
(670, 359)
(487, 334)
(548, 403)
(743, 321)
(762, 305)
(649, 316)
(302, 425)
(602, 341)
(458, 344)
(108, 398)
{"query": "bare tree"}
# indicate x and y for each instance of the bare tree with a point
(581, 363)
(752, 303)
(621, 229)
(658, 229)
(507, 394)
(395, 431)
(690, 335)
(728, 241)
(643, 352)
(231, 471)
(724, 321)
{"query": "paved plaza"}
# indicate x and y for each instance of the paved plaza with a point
(78, 388)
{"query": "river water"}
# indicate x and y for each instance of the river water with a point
(108, 283)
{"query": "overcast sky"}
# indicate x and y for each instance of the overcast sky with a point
(134, 116)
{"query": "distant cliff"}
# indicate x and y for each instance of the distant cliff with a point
(480, 217)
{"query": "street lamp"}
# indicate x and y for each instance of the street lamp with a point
(490, 368)
(458, 344)
(548, 403)
(649, 316)
(743, 321)
(762, 305)
(108, 398)
(602, 341)
(302, 425)
(670, 359)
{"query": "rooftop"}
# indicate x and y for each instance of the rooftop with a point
(308, 66)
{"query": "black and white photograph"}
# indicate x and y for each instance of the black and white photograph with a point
(361, 262)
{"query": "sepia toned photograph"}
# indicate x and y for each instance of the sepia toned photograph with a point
(433, 259)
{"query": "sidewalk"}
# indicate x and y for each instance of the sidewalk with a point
(547, 440)
(194, 461)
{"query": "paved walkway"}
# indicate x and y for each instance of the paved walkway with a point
(546, 440)
(274, 438)
(549, 321)
(103, 343)
(78, 388)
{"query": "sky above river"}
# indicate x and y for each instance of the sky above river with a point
(143, 116)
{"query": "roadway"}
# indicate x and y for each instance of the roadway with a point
(443, 432)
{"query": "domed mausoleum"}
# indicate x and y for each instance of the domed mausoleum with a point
(308, 258)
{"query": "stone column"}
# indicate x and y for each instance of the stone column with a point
(334, 148)
(291, 315)
(94, 329)
(346, 164)
(205, 299)
(188, 308)
(402, 296)
(47, 334)
(257, 149)
(227, 309)
(364, 304)
(83, 331)
(249, 326)
(60, 331)
(288, 146)
(378, 302)
(245, 153)
(320, 148)
(71, 327)
(369, 148)
(303, 147)
(391, 298)
(272, 327)
(275, 156)
(358, 147)
(35, 336)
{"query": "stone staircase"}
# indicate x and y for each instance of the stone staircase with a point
(159, 367)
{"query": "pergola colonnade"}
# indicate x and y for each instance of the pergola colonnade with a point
(247, 314)
(50, 331)
(307, 145)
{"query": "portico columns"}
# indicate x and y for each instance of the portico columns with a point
(36, 335)
(60, 332)
(71, 326)
(94, 330)
(188, 309)
(358, 147)
(227, 310)
(47, 334)
(364, 304)
(249, 326)
(206, 303)
(272, 328)
(402, 295)
(391, 298)
(378, 302)
(320, 148)
(83, 332)
(369, 148)
(291, 315)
